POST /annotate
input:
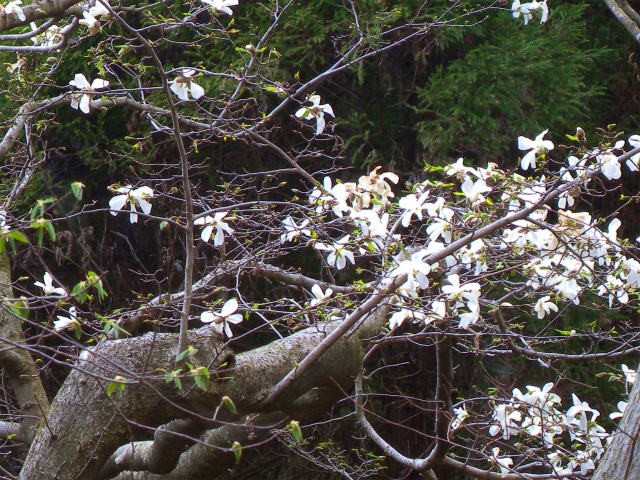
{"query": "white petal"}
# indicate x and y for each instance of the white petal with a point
(230, 307)
(196, 90)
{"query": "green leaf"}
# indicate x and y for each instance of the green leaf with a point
(190, 352)
(18, 236)
(80, 292)
(295, 431)
(77, 188)
(236, 448)
(201, 377)
(19, 309)
(229, 404)
(117, 385)
(52, 233)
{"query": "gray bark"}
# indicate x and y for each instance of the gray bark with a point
(85, 426)
(621, 461)
(17, 364)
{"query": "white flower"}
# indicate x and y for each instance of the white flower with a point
(544, 306)
(621, 408)
(577, 415)
(507, 419)
(440, 228)
(416, 271)
(504, 463)
(405, 314)
(221, 6)
(630, 375)
(90, 22)
(469, 318)
(182, 85)
(437, 313)
(15, 8)
(526, 10)
(455, 290)
(221, 320)
(70, 322)
(567, 288)
(293, 231)
(211, 223)
(99, 10)
(474, 191)
(81, 101)
(609, 166)
(133, 196)
(48, 287)
(339, 254)
(316, 111)
(632, 162)
(461, 416)
(536, 147)
(332, 197)
(320, 295)
(50, 37)
(412, 205)
(377, 183)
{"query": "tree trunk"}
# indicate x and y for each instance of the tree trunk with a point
(622, 458)
(86, 425)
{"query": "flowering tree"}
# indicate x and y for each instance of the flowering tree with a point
(294, 283)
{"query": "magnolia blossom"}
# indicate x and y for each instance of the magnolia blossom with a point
(316, 111)
(182, 85)
(90, 22)
(609, 165)
(222, 319)
(339, 254)
(332, 197)
(632, 162)
(505, 463)
(398, 318)
(536, 147)
(70, 322)
(629, 374)
(50, 37)
(416, 271)
(100, 10)
(577, 415)
(621, 408)
(526, 10)
(474, 190)
(320, 295)
(211, 223)
(412, 205)
(133, 196)
(293, 230)
(461, 415)
(15, 8)
(377, 183)
(221, 6)
(507, 418)
(544, 306)
(81, 100)
(48, 287)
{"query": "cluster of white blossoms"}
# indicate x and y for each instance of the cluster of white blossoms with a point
(50, 37)
(315, 111)
(81, 101)
(572, 440)
(92, 16)
(135, 197)
(528, 9)
(564, 253)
